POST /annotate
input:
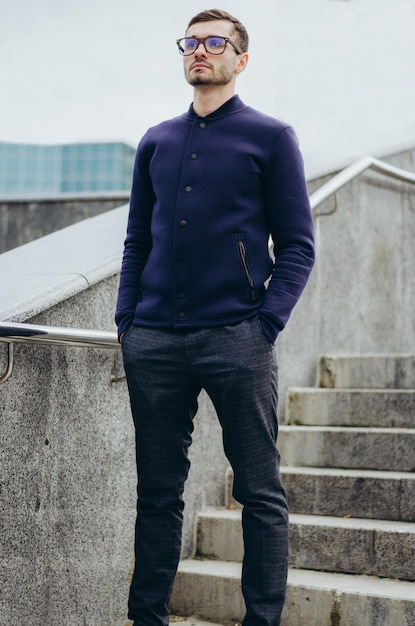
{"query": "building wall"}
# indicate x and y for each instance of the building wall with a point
(53, 169)
(96, 167)
(26, 168)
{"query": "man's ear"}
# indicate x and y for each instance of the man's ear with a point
(242, 62)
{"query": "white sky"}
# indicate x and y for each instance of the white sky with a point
(341, 71)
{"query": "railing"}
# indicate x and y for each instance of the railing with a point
(353, 171)
(11, 333)
(29, 333)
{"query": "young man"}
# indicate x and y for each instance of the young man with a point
(193, 312)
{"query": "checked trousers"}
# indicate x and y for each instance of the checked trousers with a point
(166, 369)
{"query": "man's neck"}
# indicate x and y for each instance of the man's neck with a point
(206, 100)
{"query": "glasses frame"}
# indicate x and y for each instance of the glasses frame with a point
(199, 41)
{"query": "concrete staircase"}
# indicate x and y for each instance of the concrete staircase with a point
(348, 453)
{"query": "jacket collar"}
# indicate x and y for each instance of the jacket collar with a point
(232, 105)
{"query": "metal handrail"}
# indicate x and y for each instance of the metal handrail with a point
(352, 171)
(11, 332)
(32, 333)
(9, 368)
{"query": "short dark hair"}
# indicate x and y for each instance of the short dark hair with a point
(241, 35)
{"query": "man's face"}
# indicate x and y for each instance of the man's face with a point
(202, 68)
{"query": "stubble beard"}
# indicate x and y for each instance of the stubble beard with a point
(198, 79)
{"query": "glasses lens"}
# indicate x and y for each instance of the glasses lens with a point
(188, 45)
(215, 45)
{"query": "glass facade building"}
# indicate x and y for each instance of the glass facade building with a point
(69, 168)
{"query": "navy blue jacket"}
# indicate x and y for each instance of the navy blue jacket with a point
(207, 193)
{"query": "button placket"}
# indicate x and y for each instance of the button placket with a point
(182, 305)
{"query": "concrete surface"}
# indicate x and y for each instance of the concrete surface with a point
(354, 546)
(367, 371)
(354, 448)
(356, 493)
(344, 492)
(341, 520)
(351, 407)
(68, 482)
(193, 620)
(219, 534)
(209, 588)
(23, 221)
(348, 545)
(361, 294)
(51, 269)
(68, 477)
(316, 598)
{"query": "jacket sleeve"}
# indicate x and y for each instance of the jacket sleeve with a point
(138, 243)
(292, 232)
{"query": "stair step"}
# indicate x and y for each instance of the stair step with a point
(365, 448)
(394, 371)
(373, 547)
(192, 620)
(219, 534)
(350, 493)
(317, 598)
(368, 494)
(351, 407)
(211, 589)
(208, 588)
(353, 546)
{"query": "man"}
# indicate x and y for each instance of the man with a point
(209, 188)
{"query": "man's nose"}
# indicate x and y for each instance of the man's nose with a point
(197, 49)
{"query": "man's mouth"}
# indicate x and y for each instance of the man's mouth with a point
(199, 66)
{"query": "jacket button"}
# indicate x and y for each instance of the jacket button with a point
(183, 223)
(188, 188)
(182, 314)
(193, 155)
(202, 125)
(181, 295)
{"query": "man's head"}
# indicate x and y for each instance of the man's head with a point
(214, 49)
(238, 34)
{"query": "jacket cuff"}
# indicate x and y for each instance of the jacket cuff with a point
(123, 326)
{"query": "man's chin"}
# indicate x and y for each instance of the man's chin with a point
(197, 82)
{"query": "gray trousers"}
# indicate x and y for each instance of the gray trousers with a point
(166, 369)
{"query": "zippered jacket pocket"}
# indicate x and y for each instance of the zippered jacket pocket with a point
(243, 255)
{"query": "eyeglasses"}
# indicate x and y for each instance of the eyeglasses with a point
(212, 45)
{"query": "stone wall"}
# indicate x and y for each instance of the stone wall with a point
(22, 221)
(361, 294)
(68, 480)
